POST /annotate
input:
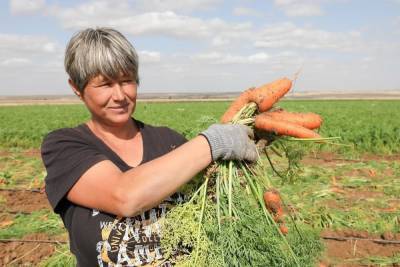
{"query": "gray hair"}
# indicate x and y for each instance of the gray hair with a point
(100, 51)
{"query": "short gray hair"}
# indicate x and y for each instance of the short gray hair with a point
(100, 51)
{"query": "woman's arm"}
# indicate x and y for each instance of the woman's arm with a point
(106, 188)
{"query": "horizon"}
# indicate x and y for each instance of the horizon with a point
(228, 94)
(347, 46)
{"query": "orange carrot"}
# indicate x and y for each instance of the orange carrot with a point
(278, 216)
(273, 203)
(236, 106)
(269, 124)
(264, 96)
(284, 229)
(307, 120)
(267, 95)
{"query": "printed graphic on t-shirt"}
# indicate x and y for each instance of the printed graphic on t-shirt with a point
(134, 241)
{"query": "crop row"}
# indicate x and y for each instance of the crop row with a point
(371, 126)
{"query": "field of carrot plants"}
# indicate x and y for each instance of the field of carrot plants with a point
(345, 191)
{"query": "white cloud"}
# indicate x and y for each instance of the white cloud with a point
(15, 62)
(300, 8)
(245, 11)
(93, 13)
(29, 53)
(166, 23)
(155, 17)
(396, 20)
(208, 56)
(288, 35)
(149, 56)
(175, 5)
(26, 44)
(218, 58)
(26, 6)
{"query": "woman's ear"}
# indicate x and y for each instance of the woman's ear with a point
(74, 88)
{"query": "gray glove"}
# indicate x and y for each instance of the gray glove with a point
(231, 142)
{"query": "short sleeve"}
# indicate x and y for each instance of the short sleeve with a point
(66, 155)
(176, 139)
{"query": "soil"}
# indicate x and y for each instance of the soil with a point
(35, 153)
(332, 159)
(346, 252)
(23, 201)
(26, 253)
(370, 173)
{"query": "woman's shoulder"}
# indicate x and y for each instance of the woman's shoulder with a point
(163, 131)
(66, 135)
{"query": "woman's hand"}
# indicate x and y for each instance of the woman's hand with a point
(231, 142)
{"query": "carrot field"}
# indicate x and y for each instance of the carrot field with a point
(347, 191)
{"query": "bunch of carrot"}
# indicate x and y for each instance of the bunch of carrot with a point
(280, 122)
(232, 188)
(265, 118)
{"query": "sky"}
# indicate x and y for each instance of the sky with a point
(210, 45)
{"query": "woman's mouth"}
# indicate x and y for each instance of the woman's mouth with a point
(119, 108)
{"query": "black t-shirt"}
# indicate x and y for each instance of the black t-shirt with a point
(98, 238)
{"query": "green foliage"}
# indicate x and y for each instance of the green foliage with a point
(371, 126)
(25, 126)
(36, 222)
(247, 237)
(61, 258)
(376, 261)
(362, 202)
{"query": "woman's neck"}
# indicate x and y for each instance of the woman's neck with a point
(125, 131)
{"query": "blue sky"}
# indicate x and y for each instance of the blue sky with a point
(211, 45)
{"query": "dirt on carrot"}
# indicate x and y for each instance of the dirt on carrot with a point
(308, 120)
(279, 127)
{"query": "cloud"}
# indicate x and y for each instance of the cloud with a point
(168, 24)
(288, 35)
(245, 11)
(26, 44)
(396, 20)
(33, 53)
(218, 58)
(26, 6)
(300, 8)
(175, 5)
(151, 18)
(15, 62)
(149, 56)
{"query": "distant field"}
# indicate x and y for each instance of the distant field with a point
(204, 96)
(369, 125)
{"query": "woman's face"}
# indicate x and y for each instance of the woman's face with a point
(111, 102)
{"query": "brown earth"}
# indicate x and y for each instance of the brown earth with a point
(23, 201)
(370, 173)
(34, 152)
(348, 252)
(331, 159)
(27, 253)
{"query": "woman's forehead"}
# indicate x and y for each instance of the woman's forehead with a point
(102, 78)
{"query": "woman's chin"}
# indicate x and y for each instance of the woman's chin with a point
(118, 119)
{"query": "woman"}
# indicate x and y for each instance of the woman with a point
(112, 178)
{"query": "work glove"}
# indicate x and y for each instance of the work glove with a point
(231, 142)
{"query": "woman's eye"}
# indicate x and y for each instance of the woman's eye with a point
(127, 82)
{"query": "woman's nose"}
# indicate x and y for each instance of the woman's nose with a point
(118, 93)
